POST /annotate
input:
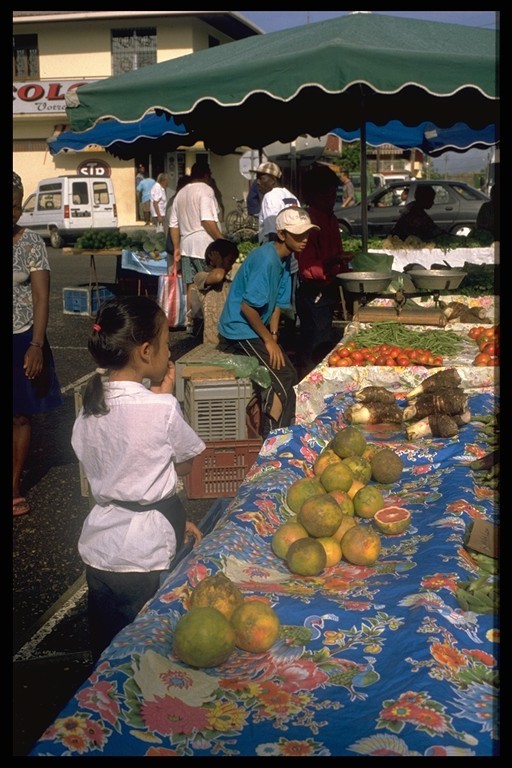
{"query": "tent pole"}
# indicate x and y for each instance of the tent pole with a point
(364, 190)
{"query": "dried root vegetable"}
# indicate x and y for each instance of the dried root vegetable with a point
(434, 425)
(448, 400)
(373, 413)
(448, 377)
(457, 310)
(374, 394)
(462, 418)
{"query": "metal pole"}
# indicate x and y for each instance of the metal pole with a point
(364, 190)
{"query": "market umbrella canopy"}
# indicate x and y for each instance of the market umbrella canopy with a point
(161, 133)
(123, 139)
(427, 137)
(345, 72)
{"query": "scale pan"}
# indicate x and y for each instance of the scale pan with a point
(436, 279)
(365, 282)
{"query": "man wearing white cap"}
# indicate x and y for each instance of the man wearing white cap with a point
(249, 323)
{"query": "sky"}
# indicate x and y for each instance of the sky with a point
(271, 21)
(451, 162)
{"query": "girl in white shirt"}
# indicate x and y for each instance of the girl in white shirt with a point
(133, 443)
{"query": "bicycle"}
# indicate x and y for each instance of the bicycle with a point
(240, 223)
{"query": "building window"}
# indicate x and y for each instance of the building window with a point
(133, 49)
(25, 57)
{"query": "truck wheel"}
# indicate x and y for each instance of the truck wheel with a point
(56, 240)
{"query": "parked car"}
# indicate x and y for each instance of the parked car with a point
(455, 207)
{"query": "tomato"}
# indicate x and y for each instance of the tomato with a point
(390, 361)
(402, 360)
(384, 349)
(332, 359)
(482, 359)
(341, 362)
(422, 358)
(371, 359)
(380, 360)
(490, 348)
(494, 360)
(476, 331)
(394, 352)
(357, 357)
(437, 360)
(344, 352)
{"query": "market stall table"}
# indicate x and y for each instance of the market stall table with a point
(455, 257)
(325, 380)
(370, 660)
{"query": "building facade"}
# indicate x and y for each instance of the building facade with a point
(57, 51)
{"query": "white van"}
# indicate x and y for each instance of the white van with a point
(65, 207)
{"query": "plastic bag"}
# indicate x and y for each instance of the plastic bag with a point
(245, 368)
(159, 229)
(372, 262)
(171, 297)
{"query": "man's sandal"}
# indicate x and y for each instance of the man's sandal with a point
(20, 506)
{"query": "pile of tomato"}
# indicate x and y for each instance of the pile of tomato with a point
(351, 354)
(487, 339)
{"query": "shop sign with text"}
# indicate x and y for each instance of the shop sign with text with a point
(43, 96)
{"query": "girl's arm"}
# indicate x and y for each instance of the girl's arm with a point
(166, 386)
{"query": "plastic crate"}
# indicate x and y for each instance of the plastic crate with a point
(84, 300)
(203, 354)
(221, 468)
(217, 410)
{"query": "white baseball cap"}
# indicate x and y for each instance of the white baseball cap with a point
(295, 220)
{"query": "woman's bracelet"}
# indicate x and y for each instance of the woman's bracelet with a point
(35, 344)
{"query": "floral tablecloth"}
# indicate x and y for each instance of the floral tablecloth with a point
(371, 661)
(324, 381)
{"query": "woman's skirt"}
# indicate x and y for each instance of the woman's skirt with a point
(37, 395)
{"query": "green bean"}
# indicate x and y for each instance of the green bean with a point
(394, 334)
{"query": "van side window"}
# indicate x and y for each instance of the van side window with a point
(49, 201)
(80, 195)
(100, 192)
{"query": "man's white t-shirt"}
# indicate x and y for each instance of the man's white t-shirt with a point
(193, 204)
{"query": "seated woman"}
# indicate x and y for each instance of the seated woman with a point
(415, 219)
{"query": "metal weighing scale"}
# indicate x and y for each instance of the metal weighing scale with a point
(372, 285)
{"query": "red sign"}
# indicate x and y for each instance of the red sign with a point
(43, 96)
(96, 168)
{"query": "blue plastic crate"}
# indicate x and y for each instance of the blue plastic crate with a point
(84, 299)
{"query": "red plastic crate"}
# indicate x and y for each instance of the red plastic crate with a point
(220, 469)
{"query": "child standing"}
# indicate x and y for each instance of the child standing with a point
(133, 443)
(210, 288)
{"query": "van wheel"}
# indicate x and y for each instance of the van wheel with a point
(56, 240)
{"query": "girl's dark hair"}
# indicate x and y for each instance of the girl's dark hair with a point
(121, 324)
